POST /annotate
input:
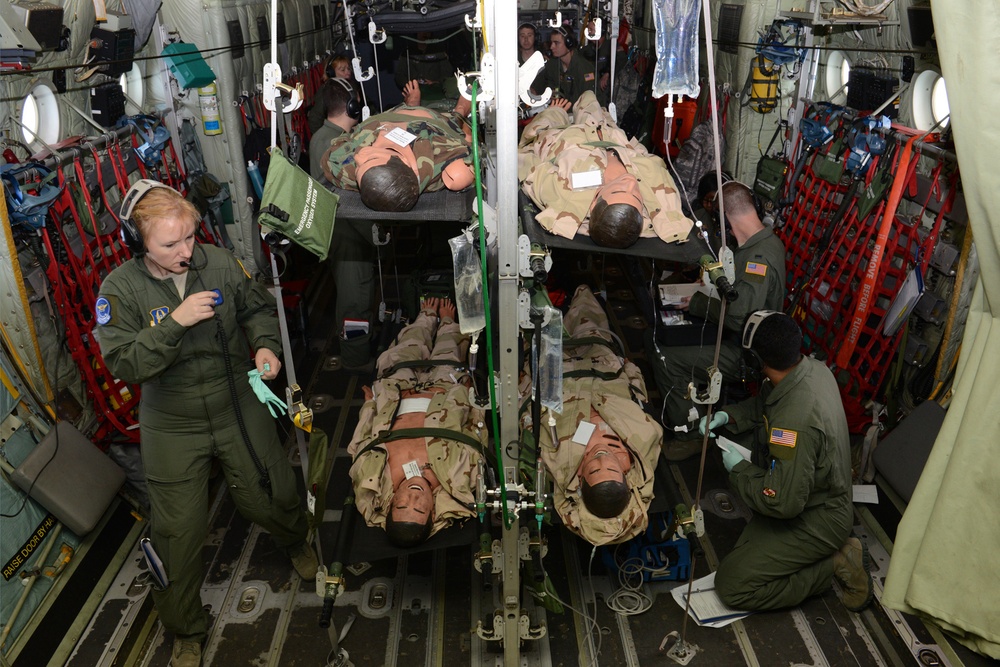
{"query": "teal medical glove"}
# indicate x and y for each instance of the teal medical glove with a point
(265, 395)
(719, 418)
(730, 457)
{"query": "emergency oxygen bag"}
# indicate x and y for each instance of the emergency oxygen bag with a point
(770, 180)
(298, 206)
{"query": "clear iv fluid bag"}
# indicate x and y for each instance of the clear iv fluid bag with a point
(676, 23)
(551, 361)
(468, 285)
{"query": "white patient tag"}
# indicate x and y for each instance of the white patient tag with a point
(583, 432)
(411, 469)
(586, 179)
(400, 136)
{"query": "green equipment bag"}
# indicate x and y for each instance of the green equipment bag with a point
(830, 165)
(769, 180)
(298, 206)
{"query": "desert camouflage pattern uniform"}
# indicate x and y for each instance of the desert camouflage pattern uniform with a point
(615, 396)
(551, 150)
(454, 463)
(441, 140)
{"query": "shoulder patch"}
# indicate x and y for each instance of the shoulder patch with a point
(784, 437)
(589, 76)
(756, 269)
(103, 310)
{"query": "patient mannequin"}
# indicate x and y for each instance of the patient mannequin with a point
(414, 486)
(394, 157)
(602, 486)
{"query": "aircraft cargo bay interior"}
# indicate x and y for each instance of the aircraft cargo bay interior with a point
(547, 332)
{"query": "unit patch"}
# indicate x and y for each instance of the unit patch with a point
(103, 310)
(157, 315)
(757, 269)
(782, 436)
(770, 493)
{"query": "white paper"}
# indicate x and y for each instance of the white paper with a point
(707, 608)
(865, 493)
(723, 441)
(586, 179)
(411, 469)
(401, 137)
(583, 432)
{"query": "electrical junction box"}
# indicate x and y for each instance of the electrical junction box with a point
(43, 21)
(114, 49)
(107, 103)
(868, 89)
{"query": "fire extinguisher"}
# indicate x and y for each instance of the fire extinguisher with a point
(211, 120)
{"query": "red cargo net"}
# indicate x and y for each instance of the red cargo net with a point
(830, 291)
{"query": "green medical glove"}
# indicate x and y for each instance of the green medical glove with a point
(265, 395)
(730, 457)
(719, 418)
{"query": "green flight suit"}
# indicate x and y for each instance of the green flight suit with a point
(455, 463)
(570, 82)
(352, 257)
(760, 281)
(799, 487)
(188, 417)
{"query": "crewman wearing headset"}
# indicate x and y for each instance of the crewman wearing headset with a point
(760, 282)
(797, 480)
(567, 72)
(187, 322)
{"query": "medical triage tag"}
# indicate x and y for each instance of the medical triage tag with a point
(400, 136)
(583, 432)
(411, 469)
(586, 179)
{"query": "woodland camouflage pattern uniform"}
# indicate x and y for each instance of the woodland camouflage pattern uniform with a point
(551, 150)
(615, 397)
(454, 463)
(441, 140)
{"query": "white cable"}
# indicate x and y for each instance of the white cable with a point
(629, 599)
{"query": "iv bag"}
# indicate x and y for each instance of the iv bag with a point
(550, 363)
(676, 23)
(468, 285)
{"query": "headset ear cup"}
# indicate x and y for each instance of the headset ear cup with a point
(132, 237)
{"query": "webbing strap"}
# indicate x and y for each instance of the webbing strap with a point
(423, 432)
(421, 363)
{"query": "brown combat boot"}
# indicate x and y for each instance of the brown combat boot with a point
(304, 561)
(850, 567)
(186, 653)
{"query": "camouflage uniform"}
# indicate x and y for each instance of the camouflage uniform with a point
(454, 463)
(440, 141)
(799, 487)
(551, 150)
(760, 281)
(615, 397)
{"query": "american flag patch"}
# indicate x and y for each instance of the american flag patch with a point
(780, 436)
(757, 269)
(589, 76)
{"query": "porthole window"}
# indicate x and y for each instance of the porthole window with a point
(131, 83)
(923, 86)
(940, 109)
(838, 72)
(40, 115)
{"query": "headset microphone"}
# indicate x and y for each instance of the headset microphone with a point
(186, 265)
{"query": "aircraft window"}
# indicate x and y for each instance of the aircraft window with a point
(939, 103)
(40, 114)
(132, 85)
(923, 112)
(838, 71)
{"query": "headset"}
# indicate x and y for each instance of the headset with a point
(754, 368)
(129, 231)
(568, 37)
(353, 105)
(534, 31)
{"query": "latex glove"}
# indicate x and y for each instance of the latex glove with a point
(266, 396)
(730, 457)
(719, 418)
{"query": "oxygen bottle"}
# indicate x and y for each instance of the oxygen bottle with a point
(211, 120)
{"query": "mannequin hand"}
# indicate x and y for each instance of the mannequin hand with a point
(718, 419)
(730, 457)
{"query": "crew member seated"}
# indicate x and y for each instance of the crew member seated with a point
(393, 157)
(341, 112)
(798, 481)
(567, 73)
(416, 448)
(589, 177)
(602, 477)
